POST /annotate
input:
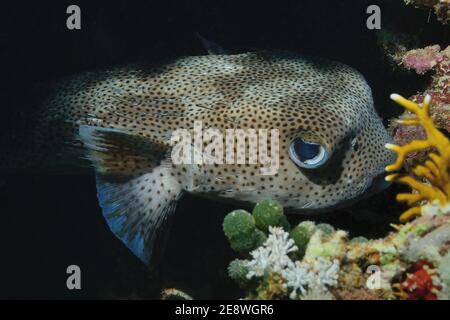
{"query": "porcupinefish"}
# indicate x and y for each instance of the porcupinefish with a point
(121, 123)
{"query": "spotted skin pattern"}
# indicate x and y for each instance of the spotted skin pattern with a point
(121, 121)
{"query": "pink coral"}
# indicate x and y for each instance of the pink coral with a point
(422, 60)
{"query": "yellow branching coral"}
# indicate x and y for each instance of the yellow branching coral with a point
(435, 170)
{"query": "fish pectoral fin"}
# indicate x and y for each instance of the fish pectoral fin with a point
(116, 151)
(136, 210)
(135, 187)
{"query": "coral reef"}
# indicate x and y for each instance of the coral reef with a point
(435, 170)
(434, 60)
(413, 263)
(315, 261)
(440, 7)
(419, 284)
(297, 278)
(394, 44)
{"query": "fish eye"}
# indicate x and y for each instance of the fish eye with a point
(308, 155)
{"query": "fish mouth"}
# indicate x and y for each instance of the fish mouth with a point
(373, 186)
(377, 184)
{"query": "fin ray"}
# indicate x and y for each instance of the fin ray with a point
(136, 210)
(135, 188)
(117, 152)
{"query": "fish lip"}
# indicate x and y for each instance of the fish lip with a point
(376, 184)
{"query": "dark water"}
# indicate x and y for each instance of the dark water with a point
(50, 222)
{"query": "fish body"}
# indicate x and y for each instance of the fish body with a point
(122, 122)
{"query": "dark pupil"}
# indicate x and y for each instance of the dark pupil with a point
(305, 151)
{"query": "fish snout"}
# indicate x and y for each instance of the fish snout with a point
(382, 157)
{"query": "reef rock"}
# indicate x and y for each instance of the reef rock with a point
(440, 7)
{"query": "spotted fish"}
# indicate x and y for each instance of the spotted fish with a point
(121, 122)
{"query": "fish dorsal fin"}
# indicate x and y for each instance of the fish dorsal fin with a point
(135, 206)
(211, 47)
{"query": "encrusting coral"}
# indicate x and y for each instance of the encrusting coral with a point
(423, 60)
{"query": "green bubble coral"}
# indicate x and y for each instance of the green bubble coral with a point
(269, 213)
(301, 235)
(240, 229)
(238, 270)
(238, 223)
(247, 242)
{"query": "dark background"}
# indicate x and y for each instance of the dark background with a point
(51, 221)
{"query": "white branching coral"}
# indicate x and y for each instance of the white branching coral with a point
(326, 272)
(301, 278)
(298, 278)
(273, 254)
